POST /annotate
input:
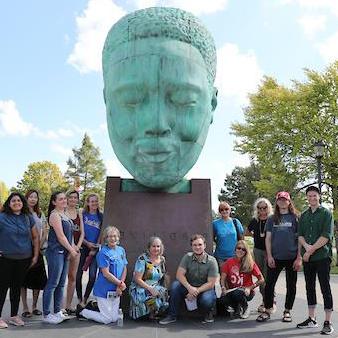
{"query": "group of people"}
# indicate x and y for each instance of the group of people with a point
(283, 239)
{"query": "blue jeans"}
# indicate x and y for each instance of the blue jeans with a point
(57, 273)
(205, 300)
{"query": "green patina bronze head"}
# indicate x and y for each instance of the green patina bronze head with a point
(159, 67)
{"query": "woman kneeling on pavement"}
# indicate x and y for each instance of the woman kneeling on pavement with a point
(236, 279)
(110, 283)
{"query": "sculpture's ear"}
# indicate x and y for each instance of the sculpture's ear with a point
(213, 102)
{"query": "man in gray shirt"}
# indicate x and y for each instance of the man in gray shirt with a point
(195, 280)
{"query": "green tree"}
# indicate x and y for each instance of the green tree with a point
(280, 129)
(3, 192)
(45, 177)
(240, 191)
(86, 169)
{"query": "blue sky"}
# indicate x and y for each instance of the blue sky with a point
(51, 80)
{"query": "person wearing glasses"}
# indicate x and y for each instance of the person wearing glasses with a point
(282, 252)
(236, 279)
(226, 232)
(262, 209)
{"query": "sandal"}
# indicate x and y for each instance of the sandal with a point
(263, 317)
(26, 314)
(287, 317)
(261, 308)
(37, 312)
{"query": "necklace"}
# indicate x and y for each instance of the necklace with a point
(261, 229)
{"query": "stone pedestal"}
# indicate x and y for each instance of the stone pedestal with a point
(172, 217)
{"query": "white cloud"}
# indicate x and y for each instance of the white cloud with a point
(92, 26)
(11, 122)
(237, 73)
(115, 168)
(59, 149)
(198, 7)
(331, 6)
(329, 48)
(311, 24)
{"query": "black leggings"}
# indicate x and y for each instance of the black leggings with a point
(92, 275)
(271, 280)
(13, 273)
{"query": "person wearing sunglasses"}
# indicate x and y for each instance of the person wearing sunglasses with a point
(226, 232)
(282, 253)
(262, 209)
(236, 279)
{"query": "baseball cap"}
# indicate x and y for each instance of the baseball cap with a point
(283, 194)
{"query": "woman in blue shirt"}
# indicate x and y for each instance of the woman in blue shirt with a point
(92, 223)
(17, 234)
(110, 282)
(226, 232)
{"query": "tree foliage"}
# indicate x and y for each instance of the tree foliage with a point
(280, 129)
(3, 192)
(86, 169)
(240, 191)
(45, 177)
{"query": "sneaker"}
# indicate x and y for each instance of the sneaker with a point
(62, 315)
(167, 320)
(52, 319)
(287, 318)
(3, 324)
(308, 324)
(208, 318)
(245, 313)
(16, 321)
(327, 328)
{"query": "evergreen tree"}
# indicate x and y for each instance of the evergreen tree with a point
(86, 169)
(240, 191)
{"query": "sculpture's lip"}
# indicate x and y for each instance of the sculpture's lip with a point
(154, 156)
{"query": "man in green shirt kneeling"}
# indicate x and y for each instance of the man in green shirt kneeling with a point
(195, 281)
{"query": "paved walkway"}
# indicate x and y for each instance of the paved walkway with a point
(191, 327)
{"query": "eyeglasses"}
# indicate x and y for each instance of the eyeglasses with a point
(226, 209)
(240, 248)
(262, 208)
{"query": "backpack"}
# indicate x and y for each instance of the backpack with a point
(239, 235)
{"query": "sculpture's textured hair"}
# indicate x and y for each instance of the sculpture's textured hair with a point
(163, 22)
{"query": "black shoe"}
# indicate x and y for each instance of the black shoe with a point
(167, 320)
(308, 324)
(327, 328)
(208, 318)
(70, 312)
(78, 311)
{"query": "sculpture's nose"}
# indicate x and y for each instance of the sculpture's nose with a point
(158, 118)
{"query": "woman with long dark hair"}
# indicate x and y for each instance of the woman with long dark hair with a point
(59, 249)
(236, 279)
(36, 277)
(92, 223)
(282, 252)
(19, 250)
(75, 215)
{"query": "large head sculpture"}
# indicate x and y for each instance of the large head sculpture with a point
(159, 68)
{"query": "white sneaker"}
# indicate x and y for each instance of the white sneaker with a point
(52, 319)
(61, 315)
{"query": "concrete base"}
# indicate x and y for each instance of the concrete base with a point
(173, 217)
